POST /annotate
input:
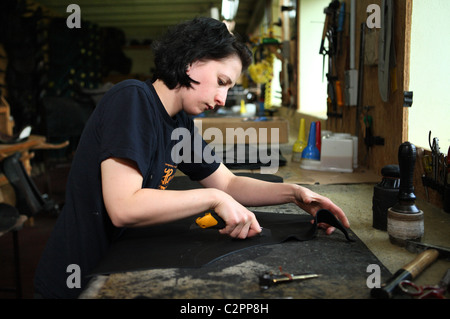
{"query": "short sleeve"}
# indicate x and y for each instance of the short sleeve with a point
(203, 160)
(126, 124)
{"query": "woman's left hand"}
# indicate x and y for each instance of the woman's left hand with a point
(312, 202)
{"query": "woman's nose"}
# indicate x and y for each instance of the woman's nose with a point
(221, 97)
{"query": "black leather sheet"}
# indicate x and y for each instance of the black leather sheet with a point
(176, 245)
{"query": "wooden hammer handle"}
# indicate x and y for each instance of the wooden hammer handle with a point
(422, 261)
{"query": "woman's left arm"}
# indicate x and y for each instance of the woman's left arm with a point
(254, 192)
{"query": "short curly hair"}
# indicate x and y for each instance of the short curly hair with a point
(195, 40)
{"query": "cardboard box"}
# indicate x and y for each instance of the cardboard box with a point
(238, 130)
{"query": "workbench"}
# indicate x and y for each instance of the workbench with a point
(343, 271)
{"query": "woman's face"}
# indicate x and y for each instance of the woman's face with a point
(215, 79)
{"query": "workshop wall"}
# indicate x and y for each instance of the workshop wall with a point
(430, 73)
(43, 58)
(389, 118)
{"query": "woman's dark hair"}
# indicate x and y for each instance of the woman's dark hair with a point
(191, 41)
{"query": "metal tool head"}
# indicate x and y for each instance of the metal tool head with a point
(418, 247)
(265, 232)
(445, 281)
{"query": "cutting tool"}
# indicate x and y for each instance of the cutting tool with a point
(211, 220)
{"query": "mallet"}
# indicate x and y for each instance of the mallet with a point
(407, 272)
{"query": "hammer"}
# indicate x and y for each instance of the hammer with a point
(407, 272)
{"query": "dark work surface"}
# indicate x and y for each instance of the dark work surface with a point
(342, 266)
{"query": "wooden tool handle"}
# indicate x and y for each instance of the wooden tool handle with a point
(422, 261)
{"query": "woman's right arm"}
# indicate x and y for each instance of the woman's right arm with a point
(130, 205)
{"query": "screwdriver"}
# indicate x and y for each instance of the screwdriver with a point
(268, 279)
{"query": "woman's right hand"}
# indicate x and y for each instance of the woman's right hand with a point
(240, 222)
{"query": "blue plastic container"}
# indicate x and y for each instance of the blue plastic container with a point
(311, 151)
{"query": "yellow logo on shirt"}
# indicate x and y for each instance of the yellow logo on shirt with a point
(169, 173)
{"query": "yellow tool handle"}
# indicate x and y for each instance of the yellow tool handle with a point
(210, 220)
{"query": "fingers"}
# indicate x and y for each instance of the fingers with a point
(312, 202)
(340, 215)
(328, 229)
(245, 225)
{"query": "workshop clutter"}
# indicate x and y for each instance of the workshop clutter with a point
(405, 221)
(312, 151)
(435, 168)
(300, 143)
(394, 207)
(385, 195)
(325, 150)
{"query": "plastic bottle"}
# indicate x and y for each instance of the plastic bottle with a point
(311, 151)
(300, 143)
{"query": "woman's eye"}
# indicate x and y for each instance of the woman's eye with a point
(220, 82)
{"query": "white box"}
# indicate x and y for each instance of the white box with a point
(337, 154)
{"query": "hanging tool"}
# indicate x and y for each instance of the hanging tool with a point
(407, 272)
(330, 34)
(439, 165)
(268, 279)
(435, 152)
(428, 164)
(351, 75)
(436, 167)
(386, 60)
(418, 247)
(359, 104)
(367, 133)
(423, 170)
(340, 28)
(369, 139)
(330, 16)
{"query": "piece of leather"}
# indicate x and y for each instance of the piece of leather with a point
(175, 245)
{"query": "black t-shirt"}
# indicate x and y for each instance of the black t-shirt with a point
(129, 122)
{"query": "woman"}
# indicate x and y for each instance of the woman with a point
(123, 162)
